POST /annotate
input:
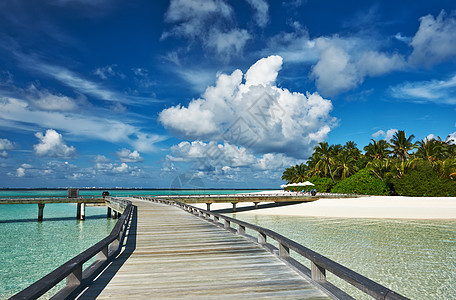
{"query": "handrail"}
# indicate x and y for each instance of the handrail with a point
(105, 249)
(319, 263)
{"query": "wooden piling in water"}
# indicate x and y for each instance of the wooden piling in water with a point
(83, 211)
(40, 211)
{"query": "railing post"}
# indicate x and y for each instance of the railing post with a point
(227, 224)
(318, 273)
(241, 229)
(261, 238)
(284, 251)
(103, 254)
(216, 219)
(75, 278)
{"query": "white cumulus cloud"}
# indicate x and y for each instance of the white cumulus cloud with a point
(52, 144)
(251, 111)
(20, 172)
(127, 156)
(387, 136)
(5, 145)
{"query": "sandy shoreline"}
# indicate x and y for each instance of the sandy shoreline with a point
(379, 207)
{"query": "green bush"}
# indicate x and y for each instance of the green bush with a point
(321, 184)
(364, 183)
(423, 181)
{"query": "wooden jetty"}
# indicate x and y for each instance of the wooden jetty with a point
(164, 249)
(72, 197)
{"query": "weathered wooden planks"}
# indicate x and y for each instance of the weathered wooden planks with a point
(171, 254)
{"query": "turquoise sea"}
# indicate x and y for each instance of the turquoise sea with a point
(29, 249)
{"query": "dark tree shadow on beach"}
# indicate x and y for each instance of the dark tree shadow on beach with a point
(93, 287)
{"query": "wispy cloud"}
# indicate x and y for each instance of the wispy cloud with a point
(77, 82)
(17, 113)
(435, 40)
(437, 91)
(261, 9)
(211, 24)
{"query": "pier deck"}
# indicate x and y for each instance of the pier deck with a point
(171, 254)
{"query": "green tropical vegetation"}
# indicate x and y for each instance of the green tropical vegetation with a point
(396, 167)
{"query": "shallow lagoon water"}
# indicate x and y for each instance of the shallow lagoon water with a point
(416, 258)
(30, 249)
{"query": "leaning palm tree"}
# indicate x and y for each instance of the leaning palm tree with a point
(326, 160)
(401, 145)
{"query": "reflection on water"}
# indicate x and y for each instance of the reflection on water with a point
(416, 258)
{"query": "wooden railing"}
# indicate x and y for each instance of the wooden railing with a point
(73, 271)
(319, 263)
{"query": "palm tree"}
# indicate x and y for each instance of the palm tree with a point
(401, 169)
(401, 145)
(377, 149)
(345, 165)
(351, 148)
(295, 174)
(380, 167)
(430, 150)
(324, 153)
(446, 168)
(288, 174)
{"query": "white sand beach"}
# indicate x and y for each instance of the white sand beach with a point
(389, 207)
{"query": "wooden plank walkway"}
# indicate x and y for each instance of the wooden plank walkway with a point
(171, 254)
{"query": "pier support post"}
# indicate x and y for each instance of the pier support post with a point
(83, 211)
(256, 204)
(208, 206)
(78, 211)
(114, 215)
(234, 206)
(108, 213)
(40, 211)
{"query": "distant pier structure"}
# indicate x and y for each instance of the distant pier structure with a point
(72, 197)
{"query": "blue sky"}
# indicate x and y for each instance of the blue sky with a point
(213, 93)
